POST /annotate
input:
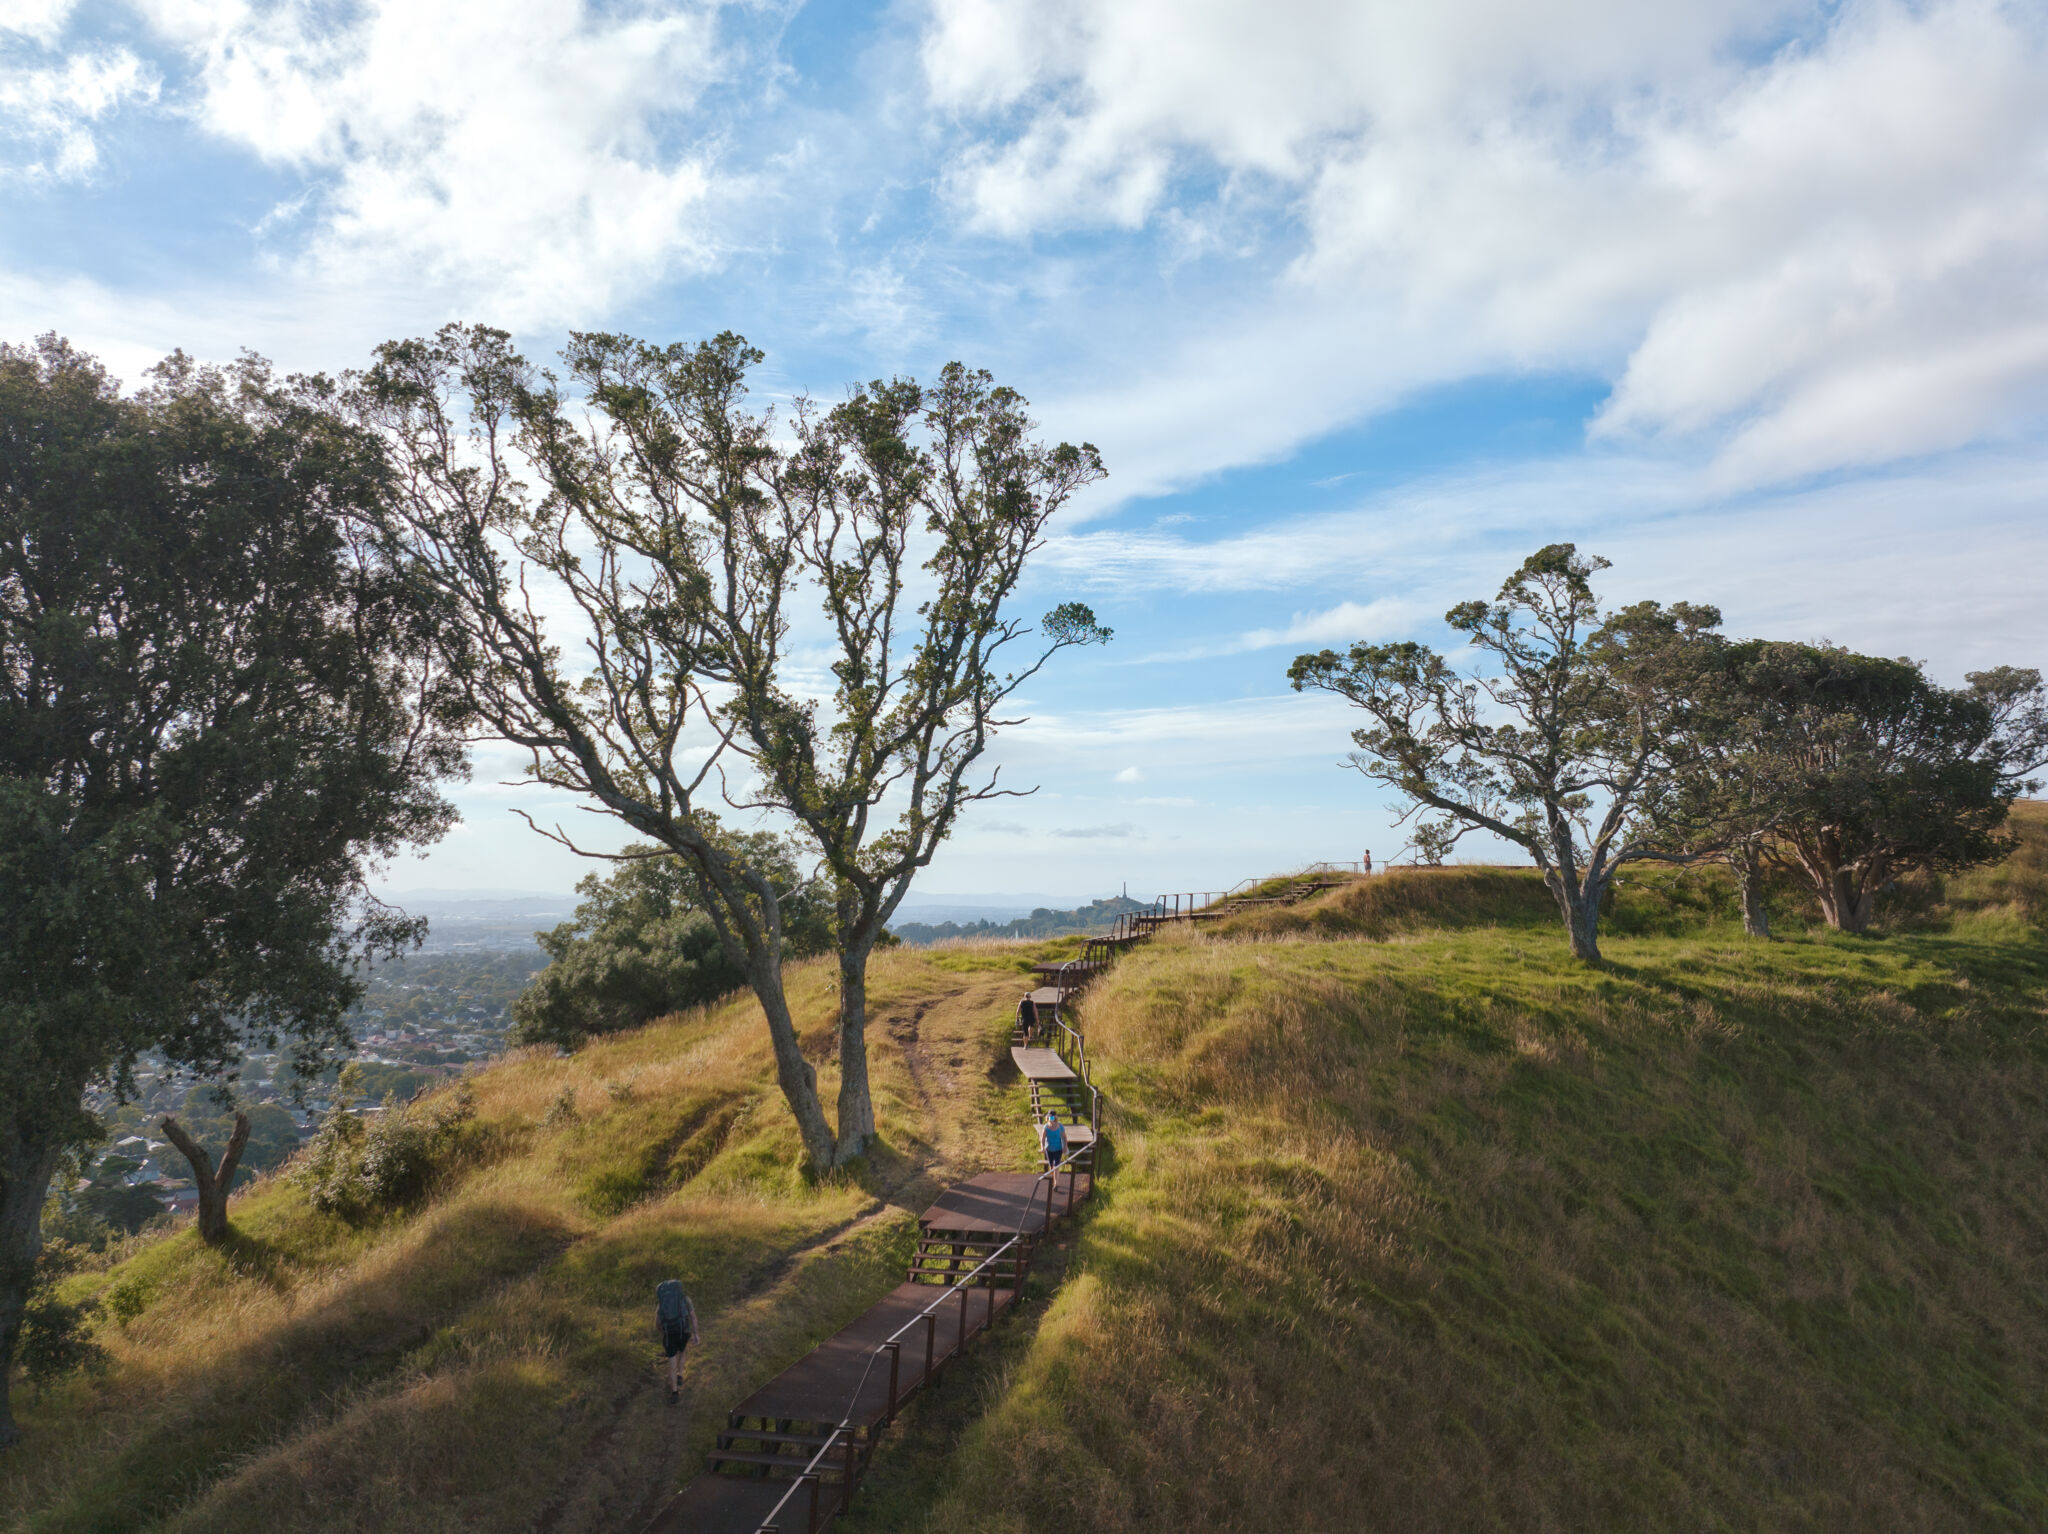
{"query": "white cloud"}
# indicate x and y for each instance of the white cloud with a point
(1808, 236)
(525, 151)
(51, 110)
(1345, 621)
(1940, 561)
(41, 20)
(1130, 775)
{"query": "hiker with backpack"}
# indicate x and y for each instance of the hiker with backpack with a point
(675, 1318)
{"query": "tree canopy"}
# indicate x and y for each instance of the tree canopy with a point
(679, 526)
(640, 946)
(1564, 743)
(216, 709)
(1859, 769)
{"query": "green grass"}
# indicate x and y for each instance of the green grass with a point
(1418, 1224)
(487, 1360)
(1408, 1222)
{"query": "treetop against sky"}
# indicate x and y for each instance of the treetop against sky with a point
(1360, 302)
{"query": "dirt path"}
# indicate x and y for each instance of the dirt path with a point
(930, 1047)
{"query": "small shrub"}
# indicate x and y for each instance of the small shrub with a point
(620, 1091)
(353, 1168)
(561, 1111)
(126, 1300)
(55, 1340)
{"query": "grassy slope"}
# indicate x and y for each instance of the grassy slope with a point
(1441, 1231)
(487, 1361)
(1412, 1223)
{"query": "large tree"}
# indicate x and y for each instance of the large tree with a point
(925, 655)
(1866, 769)
(215, 706)
(640, 945)
(671, 529)
(1563, 743)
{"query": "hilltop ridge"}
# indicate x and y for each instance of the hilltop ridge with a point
(1412, 1222)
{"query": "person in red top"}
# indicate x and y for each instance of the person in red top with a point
(1368, 860)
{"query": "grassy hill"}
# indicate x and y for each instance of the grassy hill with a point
(488, 1360)
(1418, 1225)
(1410, 1223)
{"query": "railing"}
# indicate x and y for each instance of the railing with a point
(1079, 1065)
(842, 1435)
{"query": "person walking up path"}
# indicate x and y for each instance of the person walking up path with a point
(675, 1318)
(1054, 1137)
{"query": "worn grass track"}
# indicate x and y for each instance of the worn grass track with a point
(487, 1361)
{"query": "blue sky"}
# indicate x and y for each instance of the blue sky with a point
(1362, 302)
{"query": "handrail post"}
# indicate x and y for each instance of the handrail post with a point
(931, 1343)
(813, 1529)
(961, 1345)
(895, 1359)
(846, 1480)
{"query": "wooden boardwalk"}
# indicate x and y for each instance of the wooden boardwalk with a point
(791, 1453)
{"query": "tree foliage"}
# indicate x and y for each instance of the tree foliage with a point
(1566, 742)
(360, 1164)
(640, 946)
(215, 708)
(1853, 770)
(678, 525)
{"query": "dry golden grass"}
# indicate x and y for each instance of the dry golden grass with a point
(1447, 1232)
(488, 1360)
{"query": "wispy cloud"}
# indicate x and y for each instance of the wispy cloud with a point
(1345, 622)
(1805, 237)
(530, 151)
(50, 111)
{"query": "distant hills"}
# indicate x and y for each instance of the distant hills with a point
(1096, 916)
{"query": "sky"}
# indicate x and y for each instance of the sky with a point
(1362, 302)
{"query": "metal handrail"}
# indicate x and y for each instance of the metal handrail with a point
(894, 1339)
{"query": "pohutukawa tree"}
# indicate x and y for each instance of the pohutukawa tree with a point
(1869, 770)
(678, 530)
(217, 706)
(1565, 743)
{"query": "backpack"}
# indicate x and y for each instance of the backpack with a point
(671, 1305)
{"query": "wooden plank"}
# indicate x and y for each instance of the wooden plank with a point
(1041, 1064)
(999, 1203)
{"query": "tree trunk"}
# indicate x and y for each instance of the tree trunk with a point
(1846, 907)
(1581, 908)
(25, 1171)
(1748, 864)
(213, 1186)
(856, 1104)
(1582, 918)
(799, 1080)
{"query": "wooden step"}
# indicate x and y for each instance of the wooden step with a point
(830, 1468)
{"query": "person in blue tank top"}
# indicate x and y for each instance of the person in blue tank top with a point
(1054, 1135)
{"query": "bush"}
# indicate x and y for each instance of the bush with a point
(355, 1167)
(561, 1111)
(54, 1339)
(639, 948)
